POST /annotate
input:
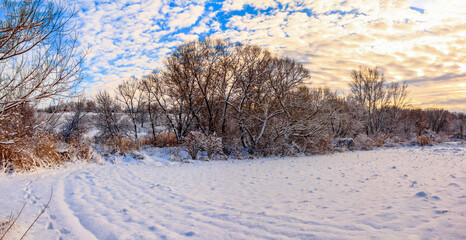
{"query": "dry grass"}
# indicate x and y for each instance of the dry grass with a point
(146, 141)
(424, 140)
(24, 147)
(121, 144)
(43, 150)
(166, 140)
(28, 153)
(320, 145)
(127, 145)
(363, 142)
(380, 140)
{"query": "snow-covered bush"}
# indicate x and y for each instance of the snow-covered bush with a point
(197, 141)
(42, 150)
(343, 143)
(320, 145)
(193, 144)
(364, 142)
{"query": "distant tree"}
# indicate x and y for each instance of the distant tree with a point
(107, 119)
(90, 105)
(74, 126)
(461, 125)
(150, 90)
(370, 90)
(437, 119)
(129, 93)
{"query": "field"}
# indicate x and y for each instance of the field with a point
(396, 193)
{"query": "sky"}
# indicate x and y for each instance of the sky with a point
(421, 42)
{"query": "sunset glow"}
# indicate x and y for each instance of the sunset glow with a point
(420, 42)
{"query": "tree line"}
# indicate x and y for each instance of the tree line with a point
(255, 101)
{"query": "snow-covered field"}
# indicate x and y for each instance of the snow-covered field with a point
(402, 193)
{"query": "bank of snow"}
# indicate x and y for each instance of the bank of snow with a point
(405, 193)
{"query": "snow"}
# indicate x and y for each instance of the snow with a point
(396, 193)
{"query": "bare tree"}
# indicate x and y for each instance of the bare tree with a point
(369, 89)
(252, 106)
(75, 127)
(39, 54)
(130, 95)
(181, 92)
(150, 90)
(228, 72)
(108, 121)
(437, 119)
(169, 97)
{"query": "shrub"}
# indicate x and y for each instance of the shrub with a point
(364, 142)
(192, 146)
(424, 140)
(81, 149)
(197, 141)
(320, 145)
(24, 147)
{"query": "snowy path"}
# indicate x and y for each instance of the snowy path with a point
(406, 193)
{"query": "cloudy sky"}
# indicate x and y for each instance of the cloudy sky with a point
(422, 42)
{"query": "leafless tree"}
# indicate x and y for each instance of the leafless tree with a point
(150, 91)
(253, 105)
(129, 93)
(461, 123)
(39, 54)
(170, 95)
(233, 90)
(75, 125)
(437, 119)
(108, 121)
(228, 72)
(370, 90)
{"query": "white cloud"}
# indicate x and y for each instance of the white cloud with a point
(426, 49)
(186, 18)
(407, 44)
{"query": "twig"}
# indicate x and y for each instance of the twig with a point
(43, 210)
(12, 223)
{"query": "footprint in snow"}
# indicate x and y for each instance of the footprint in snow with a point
(425, 195)
(421, 194)
(441, 211)
(189, 234)
(50, 226)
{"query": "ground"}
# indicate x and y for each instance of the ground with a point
(397, 193)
